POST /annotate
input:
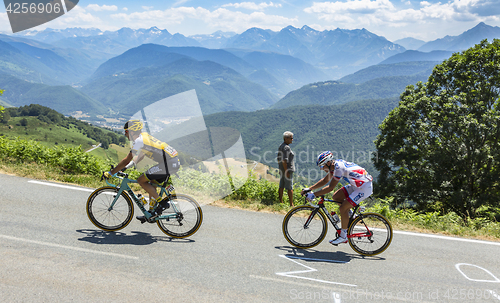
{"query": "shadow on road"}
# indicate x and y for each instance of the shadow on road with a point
(119, 238)
(322, 256)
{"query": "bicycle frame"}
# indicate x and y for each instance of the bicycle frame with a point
(320, 207)
(124, 187)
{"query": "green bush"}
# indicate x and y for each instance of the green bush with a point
(72, 159)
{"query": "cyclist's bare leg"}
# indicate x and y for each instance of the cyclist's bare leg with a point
(344, 212)
(150, 189)
(339, 196)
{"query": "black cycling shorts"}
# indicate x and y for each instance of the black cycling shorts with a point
(160, 173)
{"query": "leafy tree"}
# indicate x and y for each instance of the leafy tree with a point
(24, 122)
(439, 148)
(4, 115)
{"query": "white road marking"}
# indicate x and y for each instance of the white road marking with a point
(61, 186)
(69, 247)
(495, 279)
(446, 238)
(291, 274)
(494, 294)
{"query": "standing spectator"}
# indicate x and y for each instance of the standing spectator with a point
(286, 167)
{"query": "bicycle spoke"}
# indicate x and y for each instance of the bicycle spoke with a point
(186, 222)
(302, 230)
(102, 215)
(370, 235)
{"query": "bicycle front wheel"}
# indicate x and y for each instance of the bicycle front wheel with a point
(106, 216)
(304, 226)
(184, 217)
(370, 234)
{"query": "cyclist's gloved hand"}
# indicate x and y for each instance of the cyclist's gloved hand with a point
(106, 175)
(310, 196)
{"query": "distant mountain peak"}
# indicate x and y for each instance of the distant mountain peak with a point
(465, 40)
(481, 27)
(307, 28)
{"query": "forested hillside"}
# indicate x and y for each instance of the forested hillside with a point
(219, 88)
(65, 99)
(334, 92)
(41, 123)
(375, 82)
(347, 130)
(407, 68)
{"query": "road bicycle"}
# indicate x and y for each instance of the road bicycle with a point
(305, 226)
(110, 208)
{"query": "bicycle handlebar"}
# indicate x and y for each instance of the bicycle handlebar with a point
(121, 174)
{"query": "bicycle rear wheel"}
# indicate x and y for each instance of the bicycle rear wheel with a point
(187, 219)
(102, 215)
(304, 226)
(370, 234)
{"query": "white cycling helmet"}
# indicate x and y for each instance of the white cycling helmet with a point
(324, 157)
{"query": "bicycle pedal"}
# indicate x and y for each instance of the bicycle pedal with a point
(142, 219)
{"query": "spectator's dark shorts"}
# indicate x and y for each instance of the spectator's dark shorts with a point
(286, 183)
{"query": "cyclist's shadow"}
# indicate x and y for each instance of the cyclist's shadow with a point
(322, 256)
(118, 238)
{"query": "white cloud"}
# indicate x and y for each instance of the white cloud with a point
(98, 8)
(252, 5)
(77, 17)
(369, 12)
(147, 8)
(350, 6)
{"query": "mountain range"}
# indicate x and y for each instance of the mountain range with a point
(259, 82)
(463, 41)
(257, 69)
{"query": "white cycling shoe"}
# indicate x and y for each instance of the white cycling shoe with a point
(338, 241)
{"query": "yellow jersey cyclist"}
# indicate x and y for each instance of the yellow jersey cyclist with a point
(143, 144)
(359, 187)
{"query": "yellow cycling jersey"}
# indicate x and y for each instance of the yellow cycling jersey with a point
(153, 148)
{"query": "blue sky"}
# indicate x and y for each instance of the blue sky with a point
(393, 19)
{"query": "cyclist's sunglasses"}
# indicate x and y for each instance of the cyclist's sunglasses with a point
(322, 166)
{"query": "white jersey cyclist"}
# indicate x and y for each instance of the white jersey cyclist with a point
(351, 173)
(359, 185)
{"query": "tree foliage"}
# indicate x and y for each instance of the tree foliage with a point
(439, 148)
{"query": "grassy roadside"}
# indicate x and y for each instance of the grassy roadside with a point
(407, 220)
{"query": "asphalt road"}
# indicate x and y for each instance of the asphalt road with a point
(51, 252)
